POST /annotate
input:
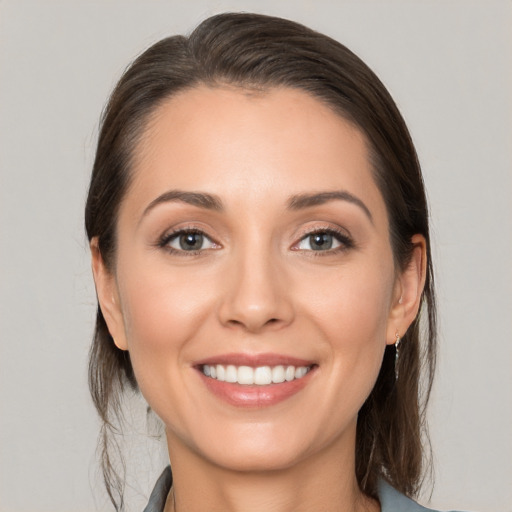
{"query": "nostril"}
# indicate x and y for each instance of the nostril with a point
(256, 326)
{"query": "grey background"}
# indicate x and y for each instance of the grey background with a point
(448, 65)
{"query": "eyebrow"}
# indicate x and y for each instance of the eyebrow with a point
(301, 201)
(199, 199)
(296, 202)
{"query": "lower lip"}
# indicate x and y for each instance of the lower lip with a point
(255, 396)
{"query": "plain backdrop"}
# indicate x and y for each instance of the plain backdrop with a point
(447, 64)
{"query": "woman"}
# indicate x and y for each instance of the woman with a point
(260, 246)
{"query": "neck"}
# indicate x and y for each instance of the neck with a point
(322, 482)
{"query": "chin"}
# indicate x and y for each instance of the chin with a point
(257, 459)
(261, 447)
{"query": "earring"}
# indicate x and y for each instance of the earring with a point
(397, 353)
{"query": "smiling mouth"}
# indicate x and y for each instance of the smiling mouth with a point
(257, 376)
(255, 381)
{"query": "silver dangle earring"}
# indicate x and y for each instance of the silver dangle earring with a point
(397, 353)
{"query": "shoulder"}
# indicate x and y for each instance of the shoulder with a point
(393, 501)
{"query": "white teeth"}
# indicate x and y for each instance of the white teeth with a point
(245, 375)
(231, 374)
(300, 372)
(260, 376)
(278, 374)
(263, 375)
(221, 373)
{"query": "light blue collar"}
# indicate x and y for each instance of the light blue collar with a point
(393, 501)
(390, 499)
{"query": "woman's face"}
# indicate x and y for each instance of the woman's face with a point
(253, 244)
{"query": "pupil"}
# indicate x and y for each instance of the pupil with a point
(191, 241)
(321, 241)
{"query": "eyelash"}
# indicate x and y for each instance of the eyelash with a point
(167, 238)
(345, 241)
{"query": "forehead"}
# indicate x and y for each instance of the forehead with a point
(240, 144)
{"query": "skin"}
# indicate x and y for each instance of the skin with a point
(257, 286)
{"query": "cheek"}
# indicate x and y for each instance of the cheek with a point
(352, 305)
(352, 312)
(162, 312)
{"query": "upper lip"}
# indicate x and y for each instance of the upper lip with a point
(254, 360)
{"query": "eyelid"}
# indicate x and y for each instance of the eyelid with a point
(165, 239)
(344, 239)
(342, 236)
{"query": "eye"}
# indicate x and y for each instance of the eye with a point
(324, 240)
(188, 241)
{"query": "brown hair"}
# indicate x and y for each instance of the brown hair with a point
(256, 51)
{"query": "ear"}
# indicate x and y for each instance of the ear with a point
(108, 296)
(408, 290)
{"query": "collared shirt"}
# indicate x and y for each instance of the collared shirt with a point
(390, 499)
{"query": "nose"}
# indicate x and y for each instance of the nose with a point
(257, 294)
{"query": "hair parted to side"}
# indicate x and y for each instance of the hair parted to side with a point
(257, 51)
